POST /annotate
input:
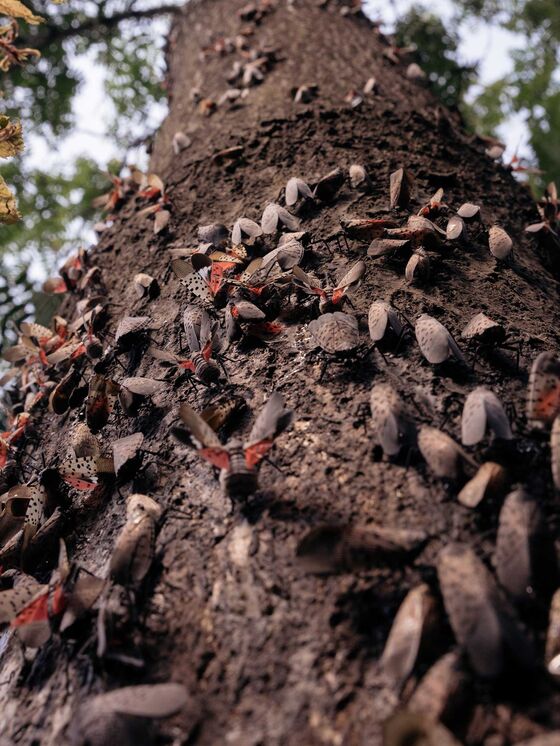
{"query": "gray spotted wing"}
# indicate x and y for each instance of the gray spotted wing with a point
(413, 623)
(202, 433)
(335, 332)
(273, 419)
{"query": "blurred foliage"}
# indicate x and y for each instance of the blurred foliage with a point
(118, 36)
(531, 90)
(436, 53)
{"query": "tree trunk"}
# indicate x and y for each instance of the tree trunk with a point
(270, 654)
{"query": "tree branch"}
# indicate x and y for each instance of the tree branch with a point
(95, 26)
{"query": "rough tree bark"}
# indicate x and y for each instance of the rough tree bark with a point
(269, 654)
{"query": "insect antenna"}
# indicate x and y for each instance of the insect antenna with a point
(223, 367)
(119, 362)
(374, 348)
(274, 465)
(323, 369)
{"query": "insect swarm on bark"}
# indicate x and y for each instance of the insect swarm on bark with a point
(237, 460)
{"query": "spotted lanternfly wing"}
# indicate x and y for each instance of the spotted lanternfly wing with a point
(552, 650)
(366, 229)
(441, 693)
(34, 514)
(338, 548)
(380, 316)
(270, 219)
(555, 452)
(247, 311)
(69, 351)
(391, 425)
(33, 623)
(101, 399)
(328, 186)
(215, 233)
(84, 442)
(275, 215)
(134, 550)
(400, 187)
(467, 211)
(422, 227)
(287, 255)
(192, 322)
(79, 468)
(138, 504)
(79, 472)
(245, 231)
(247, 274)
(201, 436)
(24, 349)
(195, 280)
(14, 600)
(495, 151)
(206, 332)
(435, 342)
(36, 331)
(167, 357)
(412, 628)
(483, 410)
(13, 509)
(130, 326)
(147, 701)
(55, 285)
(59, 398)
(441, 453)
(484, 329)
(145, 285)
(499, 242)
(218, 415)
(383, 246)
(490, 481)
(305, 282)
(142, 386)
(412, 728)
(482, 621)
(455, 228)
(417, 269)
(233, 256)
(180, 142)
(125, 450)
(525, 558)
(217, 269)
(543, 396)
(272, 420)
(96, 722)
(335, 332)
(296, 188)
(358, 175)
(351, 281)
(85, 591)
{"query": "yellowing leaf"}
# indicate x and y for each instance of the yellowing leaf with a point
(8, 208)
(15, 9)
(11, 140)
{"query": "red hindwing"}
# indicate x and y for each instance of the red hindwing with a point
(255, 453)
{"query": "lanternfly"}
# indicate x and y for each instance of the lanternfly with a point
(238, 461)
(331, 298)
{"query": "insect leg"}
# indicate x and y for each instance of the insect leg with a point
(271, 462)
